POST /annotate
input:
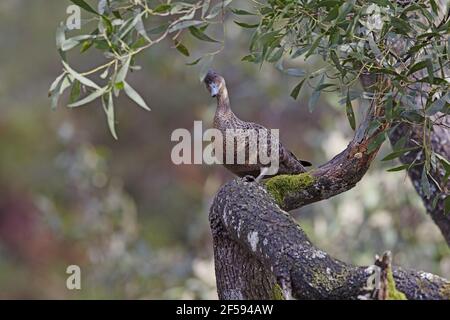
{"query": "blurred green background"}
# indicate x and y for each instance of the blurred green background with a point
(137, 224)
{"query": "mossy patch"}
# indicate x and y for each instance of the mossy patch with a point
(277, 292)
(393, 293)
(280, 186)
(445, 291)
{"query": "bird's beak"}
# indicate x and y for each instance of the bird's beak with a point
(214, 89)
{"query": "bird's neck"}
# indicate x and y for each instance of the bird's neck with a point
(223, 102)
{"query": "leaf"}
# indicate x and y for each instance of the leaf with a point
(241, 12)
(181, 48)
(133, 95)
(376, 142)
(349, 111)
(109, 110)
(437, 105)
(314, 46)
(334, 57)
(295, 92)
(75, 92)
(315, 95)
(193, 63)
(123, 71)
(295, 72)
(416, 67)
(249, 58)
(94, 95)
(396, 154)
(79, 77)
(60, 35)
(400, 25)
(425, 183)
(54, 91)
(85, 6)
(446, 164)
(218, 8)
(55, 83)
(246, 25)
(162, 8)
(184, 25)
(205, 7)
(200, 34)
(399, 168)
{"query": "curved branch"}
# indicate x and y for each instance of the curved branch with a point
(338, 175)
(440, 143)
(257, 245)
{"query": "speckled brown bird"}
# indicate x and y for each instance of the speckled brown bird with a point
(225, 119)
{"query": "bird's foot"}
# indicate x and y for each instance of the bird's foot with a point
(249, 178)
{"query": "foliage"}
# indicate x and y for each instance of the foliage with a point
(405, 44)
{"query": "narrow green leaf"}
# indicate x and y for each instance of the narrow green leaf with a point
(246, 25)
(200, 34)
(85, 6)
(109, 110)
(416, 67)
(193, 63)
(315, 95)
(205, 7)
(79, 77)
(399, 153)
(123, 71)
(133, 95)
(162, 8)
(219, 7)
(241, 12)
(184, 24)
(334, 57)
(376, 142)
(181, 48)
(75, 91)
(426, 188)
(94, 95)
(399, 168)
(295, 92)
(314, 46)
(55, 83)
(349, 111)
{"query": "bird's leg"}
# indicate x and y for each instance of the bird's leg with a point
(262, 173)
(249, 178)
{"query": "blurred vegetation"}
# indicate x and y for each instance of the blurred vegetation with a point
(136, 224)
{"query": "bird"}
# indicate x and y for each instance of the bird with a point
(225, 119)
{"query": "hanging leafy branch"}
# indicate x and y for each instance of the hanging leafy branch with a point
(121, 29)
(405, 44)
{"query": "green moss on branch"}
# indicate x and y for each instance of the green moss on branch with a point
(392, 292)
(280, 186)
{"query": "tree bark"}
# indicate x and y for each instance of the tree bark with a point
(440, 143)
(259, 248)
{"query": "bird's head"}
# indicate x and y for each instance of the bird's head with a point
(214, 83)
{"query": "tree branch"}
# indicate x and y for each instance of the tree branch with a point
(258, 246)
(440, 143)
(338, 175)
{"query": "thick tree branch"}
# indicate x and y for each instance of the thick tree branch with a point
(440, 143)
(338, 175)
(257, 245)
